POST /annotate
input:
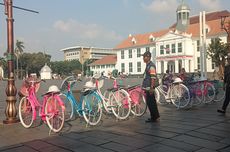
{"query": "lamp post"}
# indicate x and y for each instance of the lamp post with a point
(10, 111)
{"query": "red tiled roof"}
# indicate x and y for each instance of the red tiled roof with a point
(109, 59)
(141, 39)
(212, 20)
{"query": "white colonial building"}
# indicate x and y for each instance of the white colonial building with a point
(173, 48)
(105, 65)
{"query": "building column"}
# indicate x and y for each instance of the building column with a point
(165, 66)
(176, 66)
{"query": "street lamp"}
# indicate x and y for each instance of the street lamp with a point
(11, 111)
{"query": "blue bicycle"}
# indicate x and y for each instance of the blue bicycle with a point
(89, 105)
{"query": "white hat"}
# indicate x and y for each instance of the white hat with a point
(89, 84)
(177, 80)
(53, 88)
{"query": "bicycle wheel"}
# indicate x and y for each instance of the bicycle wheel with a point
(209, 92)
(66, 82)
(179, 95)
(55, 114)
(106, 102)
(196, 95)
(120, 104)
(220, 93)
(26, 112)
(92, 108)
(159, 94)
(69, 109)
(138, 101)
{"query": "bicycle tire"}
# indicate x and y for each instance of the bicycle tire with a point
(92, 108)
(65, 83)
(180, 95)
(69, 108)
(55, 114)
(209, 93)
(139, 105)
(106, 102)
(160, 97)
(120, 101)
(220, 93)
(29, 112)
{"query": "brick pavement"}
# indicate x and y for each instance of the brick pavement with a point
(200, 129)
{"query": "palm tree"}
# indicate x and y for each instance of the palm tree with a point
(18, 51)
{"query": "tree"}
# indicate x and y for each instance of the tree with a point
(86, 70)
(18, 51)
(33, 62)
(218, 50)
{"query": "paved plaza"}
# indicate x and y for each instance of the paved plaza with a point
(200, 129)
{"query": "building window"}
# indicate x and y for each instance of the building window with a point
(213, 65)
(107, 65)
(179, 47)
(138, 66)
(198, 63)
(184, 16)
(130, 67)
(122, 54)
(122, 67)
(98, 66)
(162, 49)
(130, 53)
(198, 45)
(113, 66)
(173, 46)
(102, 66)
(147, 49)
(138, 52)
(167, 49)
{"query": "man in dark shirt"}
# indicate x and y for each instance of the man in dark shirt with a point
(226, 86)
(150, 77)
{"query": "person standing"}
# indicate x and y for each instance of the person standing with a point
(150, 77)
(226, 86)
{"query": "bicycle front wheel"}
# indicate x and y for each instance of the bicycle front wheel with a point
(179, 95)
(120, 104)
(26, 112)
(55, 114)
(92, 108)
(138, 101)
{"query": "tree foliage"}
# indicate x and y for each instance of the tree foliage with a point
(218, 51)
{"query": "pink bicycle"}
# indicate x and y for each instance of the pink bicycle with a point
(51, 110)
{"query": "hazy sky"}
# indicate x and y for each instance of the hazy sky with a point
(96, 23)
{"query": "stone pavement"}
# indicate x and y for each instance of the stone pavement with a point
(200, 129)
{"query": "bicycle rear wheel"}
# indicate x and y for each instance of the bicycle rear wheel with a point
(106, 102)
(55, 114)
(26, 112)
(209, 93)
(120, 104)
(179, 95)
(69, 108)
(92, 108)
(138, 101)
(220, 93)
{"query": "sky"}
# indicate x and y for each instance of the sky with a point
(94, 23)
